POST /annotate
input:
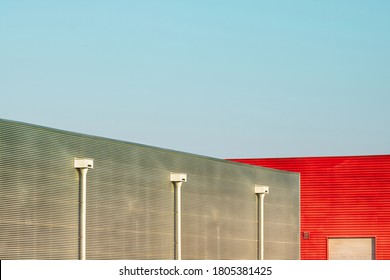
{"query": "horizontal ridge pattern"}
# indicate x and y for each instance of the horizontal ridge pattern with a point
(346, 196)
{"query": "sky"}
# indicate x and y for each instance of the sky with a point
(226, 79)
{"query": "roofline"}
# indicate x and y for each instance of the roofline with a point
(314, 157)
(56, 130)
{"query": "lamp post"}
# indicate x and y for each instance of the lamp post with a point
(82, 165)
(260, 191)
(177, 180)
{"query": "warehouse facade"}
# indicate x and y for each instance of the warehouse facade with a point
(130, 210)
(345, 205)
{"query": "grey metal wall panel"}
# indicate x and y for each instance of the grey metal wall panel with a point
(38, 198)
(130, 201)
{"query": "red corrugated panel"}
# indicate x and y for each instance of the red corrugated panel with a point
(345, 196)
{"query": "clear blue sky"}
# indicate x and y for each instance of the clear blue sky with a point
(218, 78)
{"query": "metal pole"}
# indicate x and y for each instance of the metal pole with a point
(83, 213)
(177, 220)
(177, 180)
(261, 227)
(82, 165)
(261, 191)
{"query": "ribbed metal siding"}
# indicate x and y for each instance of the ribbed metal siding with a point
(346, 196)
(130, 201)
(38, 198)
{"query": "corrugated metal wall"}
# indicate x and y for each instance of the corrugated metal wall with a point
(346, 196)
(38, 197)
(130, 201)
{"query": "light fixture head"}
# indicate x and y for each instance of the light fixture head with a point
(178, 177)
(83, 163)
(261, 189)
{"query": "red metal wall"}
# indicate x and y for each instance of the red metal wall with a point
(344, 196)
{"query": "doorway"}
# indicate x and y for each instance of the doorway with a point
(351, 248)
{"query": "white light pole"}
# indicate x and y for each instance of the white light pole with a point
(82, 165)
(177, 180)
(260, 191)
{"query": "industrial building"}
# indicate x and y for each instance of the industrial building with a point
(66, 195)
(345, 205)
